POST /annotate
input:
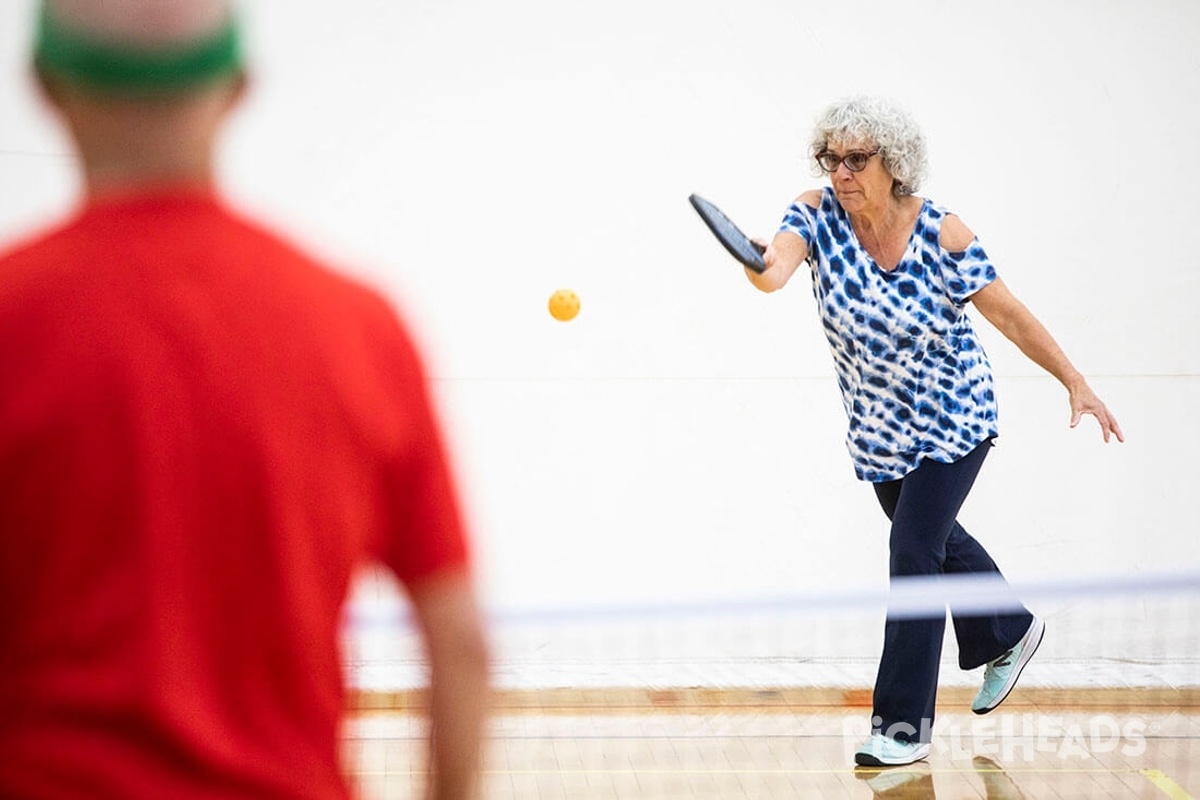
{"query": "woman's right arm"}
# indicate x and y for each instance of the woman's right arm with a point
(786, 252)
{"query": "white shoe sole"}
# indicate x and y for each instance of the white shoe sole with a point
(1030, 643)
(869, 760)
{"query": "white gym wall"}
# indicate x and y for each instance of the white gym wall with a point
(682, 438)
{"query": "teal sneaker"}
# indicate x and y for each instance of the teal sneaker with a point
(884, 751)
(1001, 674)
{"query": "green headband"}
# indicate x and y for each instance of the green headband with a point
(74, 55)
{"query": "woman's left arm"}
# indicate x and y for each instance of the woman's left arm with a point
(1010, 316)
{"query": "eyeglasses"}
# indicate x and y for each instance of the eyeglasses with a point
(855, 160)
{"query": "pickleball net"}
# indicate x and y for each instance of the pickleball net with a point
(1120, 662)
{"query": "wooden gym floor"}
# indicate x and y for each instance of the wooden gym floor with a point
(729, 743)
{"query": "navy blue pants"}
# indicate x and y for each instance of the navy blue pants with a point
(926, 539)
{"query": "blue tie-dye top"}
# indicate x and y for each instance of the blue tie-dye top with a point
(915, 381)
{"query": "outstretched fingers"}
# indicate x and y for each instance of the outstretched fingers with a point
(1090, 404)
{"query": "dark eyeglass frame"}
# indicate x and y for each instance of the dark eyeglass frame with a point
(855, 160)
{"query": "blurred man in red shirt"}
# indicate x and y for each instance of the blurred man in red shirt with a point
(203, 433)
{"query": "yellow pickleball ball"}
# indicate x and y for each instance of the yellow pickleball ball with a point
(564, 305)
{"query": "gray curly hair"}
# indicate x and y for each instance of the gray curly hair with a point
(881, 123)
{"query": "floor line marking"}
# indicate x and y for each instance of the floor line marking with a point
(1169, 787)
(1157, 777)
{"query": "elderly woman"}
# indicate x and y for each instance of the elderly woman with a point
(892, 274)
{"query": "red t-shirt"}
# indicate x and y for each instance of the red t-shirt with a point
(202, 433)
